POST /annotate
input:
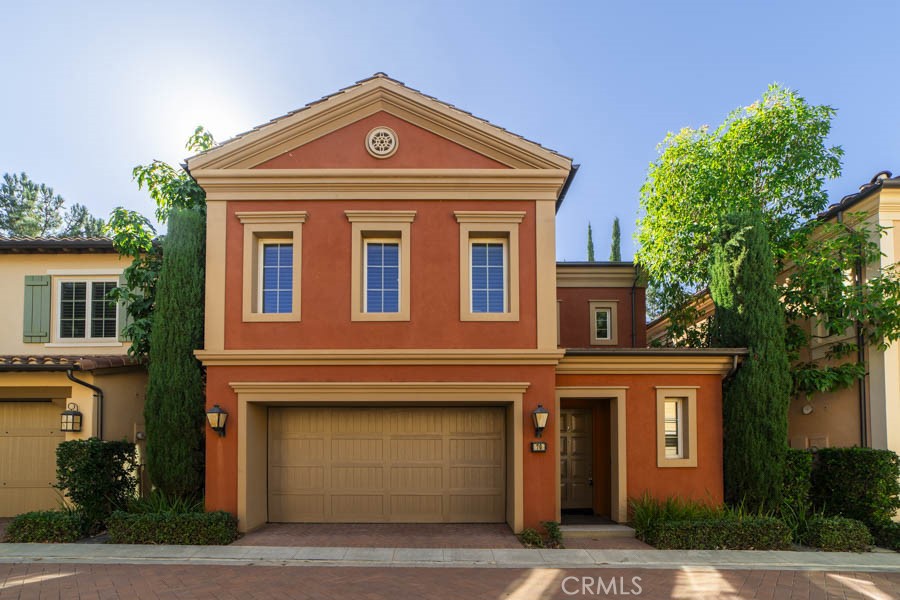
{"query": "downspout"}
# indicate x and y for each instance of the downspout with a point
(860, 356)
(98, 394)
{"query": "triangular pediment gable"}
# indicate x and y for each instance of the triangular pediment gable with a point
(269, 143)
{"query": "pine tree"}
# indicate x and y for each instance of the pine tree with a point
(174, 409)
(615, 251)
(749, 315)
(590, 243)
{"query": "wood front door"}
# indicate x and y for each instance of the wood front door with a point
(576, 456)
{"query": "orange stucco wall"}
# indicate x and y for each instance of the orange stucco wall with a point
(703, 482)
(417, 149)
(575, 316)
(434, 294)
(539, 469)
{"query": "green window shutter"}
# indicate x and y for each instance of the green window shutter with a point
(37, 309)
(124, 318)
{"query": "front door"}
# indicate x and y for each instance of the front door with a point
(576, 452)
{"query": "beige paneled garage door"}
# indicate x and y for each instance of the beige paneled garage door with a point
(29, 434)
(404, 465)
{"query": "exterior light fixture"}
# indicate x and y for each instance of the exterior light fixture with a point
(71, 418)
(217, 417)
(540, 416)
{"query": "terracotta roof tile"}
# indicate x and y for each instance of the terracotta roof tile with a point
(60, 362)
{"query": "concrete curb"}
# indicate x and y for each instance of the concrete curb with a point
(448, 557)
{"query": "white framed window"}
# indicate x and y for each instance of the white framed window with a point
(382, 276)
(83, 311)
(673, 427)
(676, 426)
(488, 262)
(276, 276)
(603, 317)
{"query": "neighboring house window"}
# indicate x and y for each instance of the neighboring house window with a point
(676, 427)
(271, 267)
(85, 313)
(277, 275)
(603, 316)
(382, 272)
(380, 264)
(489, 265)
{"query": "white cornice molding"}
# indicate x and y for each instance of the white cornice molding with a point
(272, 216)
(377, 356)
(634, 365)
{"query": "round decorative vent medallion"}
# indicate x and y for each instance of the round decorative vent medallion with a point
(381, 142)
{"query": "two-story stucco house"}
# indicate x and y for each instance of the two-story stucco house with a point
(386, 321)
(60, 349)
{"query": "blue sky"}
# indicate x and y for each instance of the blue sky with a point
(92, 89)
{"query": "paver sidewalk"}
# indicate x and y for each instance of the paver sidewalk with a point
(447, 557)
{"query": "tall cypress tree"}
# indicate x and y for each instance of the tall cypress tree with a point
(174, 409)
(749, 315)
(590, 243)
(615, 251)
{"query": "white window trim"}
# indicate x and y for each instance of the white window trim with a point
(269, 225)
(611, 306)
(395, 225)
(56, 313)
(490, 240)
(365, 273)
(687, 396)
(261, 272)
(486, 225)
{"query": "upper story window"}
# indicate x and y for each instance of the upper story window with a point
(277, 285)
(85, 312)
(489, 287)
(271, 266)
(382, 276)
(603, 316)
(489, 265)
(380, 264)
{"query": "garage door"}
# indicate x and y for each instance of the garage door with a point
(29, 434)
(403, 465)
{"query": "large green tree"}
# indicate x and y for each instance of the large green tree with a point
(755, 401)
(174, 410)
(28, 208)
(771, 156)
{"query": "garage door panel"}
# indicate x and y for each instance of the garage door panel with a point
(387, 464)
(29, 435)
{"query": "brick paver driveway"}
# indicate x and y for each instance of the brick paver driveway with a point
(185, 582)
(382, 535)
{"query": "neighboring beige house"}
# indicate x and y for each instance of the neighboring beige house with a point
(867, 414)
(60, 348)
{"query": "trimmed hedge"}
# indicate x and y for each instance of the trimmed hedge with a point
(723, 533)
(797, 484)
(857, 483)
(887, 535)
(212, 528)
(46, 527)
(837, 534)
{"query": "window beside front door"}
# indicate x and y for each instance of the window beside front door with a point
(85, 312)
(676, 427)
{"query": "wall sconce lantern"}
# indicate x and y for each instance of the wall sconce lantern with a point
(217, 417)
(540, 416)
(71, 419)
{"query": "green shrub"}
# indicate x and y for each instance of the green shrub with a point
(797, 473)
(887, 535)
(554, 534)
(212, 528)
(722, 533)
(857, 483)
(530, 538)
(837, 534)
(97, 476)
(648, 512)
(158, 502)
(48, 526)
